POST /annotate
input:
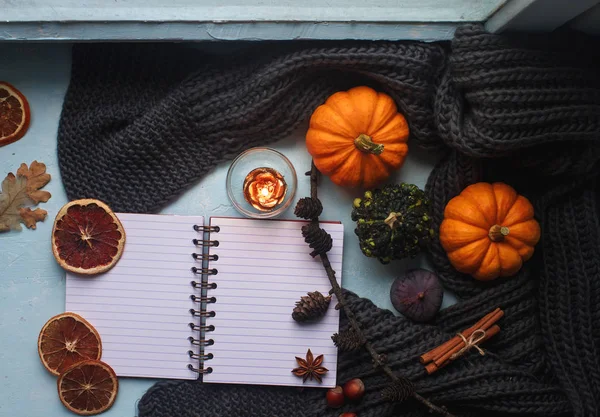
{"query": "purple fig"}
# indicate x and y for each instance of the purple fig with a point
(417, 295)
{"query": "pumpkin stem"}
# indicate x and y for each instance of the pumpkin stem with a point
(392, 220)
(365, 144)
(497, 233)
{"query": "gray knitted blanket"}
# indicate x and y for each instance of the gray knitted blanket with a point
(136, 131)
(155, 118)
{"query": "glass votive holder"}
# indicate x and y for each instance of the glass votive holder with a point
(261, 183)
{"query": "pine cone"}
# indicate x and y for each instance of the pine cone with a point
(317, 238)
(311, 307)
(399, 390)
(308, 208)
(348, 340)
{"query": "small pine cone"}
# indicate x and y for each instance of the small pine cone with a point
(311, 307)
(308, 208)
(348, 340)
(317, 238)
(399, 390)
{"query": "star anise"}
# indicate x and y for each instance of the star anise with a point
(310, 367)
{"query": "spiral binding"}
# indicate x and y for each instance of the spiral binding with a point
(203, 300)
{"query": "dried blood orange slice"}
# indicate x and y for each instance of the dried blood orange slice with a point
(88, 387)
(67, 339)
(87, 237)
(14, 114)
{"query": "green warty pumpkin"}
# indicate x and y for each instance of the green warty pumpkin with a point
(393, 222)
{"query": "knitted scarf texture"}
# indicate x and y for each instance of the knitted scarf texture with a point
(518, 109)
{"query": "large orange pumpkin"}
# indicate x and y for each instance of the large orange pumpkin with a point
(357, 138)
(488, 231)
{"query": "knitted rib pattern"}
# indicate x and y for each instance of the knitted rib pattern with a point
(521, 110)
(475, 384)
(155, 118)
(527, 112)
(190, 398)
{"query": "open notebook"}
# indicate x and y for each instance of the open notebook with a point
(186, 297)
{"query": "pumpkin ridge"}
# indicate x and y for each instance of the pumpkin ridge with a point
(373, 176)
(348, 165)
(473, 260)
(520, 212)
(490, 264)
(388, 132)
(337, 118)
(510, 259)
(329, 168)
(473, 200)
(497, 188)
(331, 130)
(495, 206)
(455, 234)
(512, 237)
(335, 141)
(373, 111)
(392, 112)
(364, 100)
(394, 158)
(458, 215)
(341, 112)
(525, 250)
(525, 236)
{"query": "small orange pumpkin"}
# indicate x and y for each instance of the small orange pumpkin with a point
(488, 231)
(357, 138)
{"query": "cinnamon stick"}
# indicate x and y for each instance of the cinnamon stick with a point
(450, 344)
(484, 326)
(489, 333)
(485, 323)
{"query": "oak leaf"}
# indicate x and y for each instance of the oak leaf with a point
(31, 217)
(36, 178)
(21, 191)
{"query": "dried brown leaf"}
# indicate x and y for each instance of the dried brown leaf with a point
(31, 217)
(20, 192)
(36, 178)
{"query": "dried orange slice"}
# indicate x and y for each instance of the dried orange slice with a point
(88, 387)
(87, 237)
(67, 339)
(14, 114)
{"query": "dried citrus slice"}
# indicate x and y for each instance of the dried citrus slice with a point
(87, 237)
(14, 114)
(88, 387)
(67, 339)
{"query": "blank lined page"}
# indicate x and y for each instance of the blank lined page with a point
(264, 267)
(141, 307)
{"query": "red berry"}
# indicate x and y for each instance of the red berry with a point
(348, 415)
(354, 389)
(335, 397)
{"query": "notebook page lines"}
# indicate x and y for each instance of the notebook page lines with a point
(264, 267)
(141, 307)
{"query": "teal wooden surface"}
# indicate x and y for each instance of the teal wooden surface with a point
(32, 286)
(192, 20)
(222, 31)
(248, 10)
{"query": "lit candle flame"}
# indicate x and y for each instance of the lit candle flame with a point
(264, 188)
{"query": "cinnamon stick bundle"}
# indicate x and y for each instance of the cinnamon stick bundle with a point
(472, 337)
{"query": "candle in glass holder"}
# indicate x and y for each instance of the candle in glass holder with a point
(264, 188)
